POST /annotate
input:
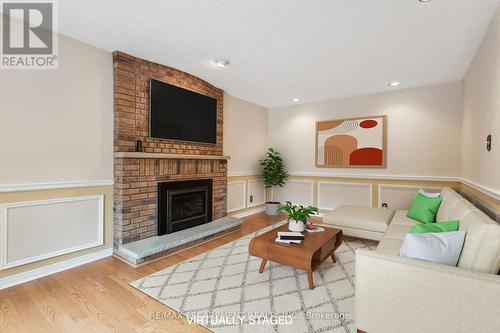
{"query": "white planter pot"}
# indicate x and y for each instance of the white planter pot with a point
(297, 226)
(272, 208)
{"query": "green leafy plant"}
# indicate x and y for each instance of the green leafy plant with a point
(298, 212)
(273, 170)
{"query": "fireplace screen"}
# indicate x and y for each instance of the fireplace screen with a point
(188, 205)
(183, 205)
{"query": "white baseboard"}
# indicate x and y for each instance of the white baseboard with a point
(40, 272)
(249, 212)
(373, 176)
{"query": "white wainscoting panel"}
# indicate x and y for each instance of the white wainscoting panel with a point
(236, 195)
(256, 189)
(334, 194)
(400, 196)
(297, 191)
(35, 230)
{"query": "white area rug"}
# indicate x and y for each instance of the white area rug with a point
(223, 291)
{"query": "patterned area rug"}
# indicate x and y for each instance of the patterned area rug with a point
(223, 291)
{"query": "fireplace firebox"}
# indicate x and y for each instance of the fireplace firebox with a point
(183, 204)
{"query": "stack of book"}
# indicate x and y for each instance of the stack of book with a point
(289, 237)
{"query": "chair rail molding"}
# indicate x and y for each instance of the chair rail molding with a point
(373, 176)
(481, 188)
(54, 185)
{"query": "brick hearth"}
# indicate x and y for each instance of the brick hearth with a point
(137, 176)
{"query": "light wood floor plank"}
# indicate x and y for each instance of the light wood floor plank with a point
(97, 297)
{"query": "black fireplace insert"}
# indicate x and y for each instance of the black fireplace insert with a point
(183, 204)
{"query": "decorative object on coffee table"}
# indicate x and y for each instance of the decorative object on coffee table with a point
(298, 215)
(311, 226)
(308, 256)
(274, 174)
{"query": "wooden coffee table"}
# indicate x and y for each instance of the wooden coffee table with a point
(309, 255)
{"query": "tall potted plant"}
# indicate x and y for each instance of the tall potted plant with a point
(298, 215)
(273, 171)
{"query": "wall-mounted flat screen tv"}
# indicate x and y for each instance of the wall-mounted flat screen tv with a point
(181, 114)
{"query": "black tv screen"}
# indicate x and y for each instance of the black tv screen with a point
(180, 114)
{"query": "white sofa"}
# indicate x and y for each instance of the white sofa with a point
(397, 294)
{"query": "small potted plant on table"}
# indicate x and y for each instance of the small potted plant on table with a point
(298, 215)
(274, 174)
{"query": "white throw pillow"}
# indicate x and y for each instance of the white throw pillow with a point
(429, 194)
(441, 247)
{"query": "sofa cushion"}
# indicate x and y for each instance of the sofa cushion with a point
(397, 231)
(390, 246)
(395, 234)
(401, 219)
(481, 252)
(460, 210)
(477, 210)
(450, 198)
(358, 217)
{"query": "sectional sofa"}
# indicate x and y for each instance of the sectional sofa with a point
(398, 294)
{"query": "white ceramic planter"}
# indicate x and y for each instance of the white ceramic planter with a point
(297, 226)
(272, 208)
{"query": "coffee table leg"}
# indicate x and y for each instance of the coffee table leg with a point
(262, 265)
(333, 258)
(310, 280)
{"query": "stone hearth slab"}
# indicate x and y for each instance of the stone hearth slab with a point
(151, 248)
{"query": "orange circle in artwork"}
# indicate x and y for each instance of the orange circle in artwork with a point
(368, 123)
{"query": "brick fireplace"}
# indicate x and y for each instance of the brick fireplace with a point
(137, 174)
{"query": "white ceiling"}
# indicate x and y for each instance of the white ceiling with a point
(279, 49)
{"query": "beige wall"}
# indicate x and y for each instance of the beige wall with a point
(57, 125)
(245, 135)
(482, 113)
(424, 131)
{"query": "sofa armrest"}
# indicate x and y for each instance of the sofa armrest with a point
(397, 294)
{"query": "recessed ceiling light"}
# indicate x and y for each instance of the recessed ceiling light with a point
(424, 0)
(295, 100)
(394, 84)
(221, 62)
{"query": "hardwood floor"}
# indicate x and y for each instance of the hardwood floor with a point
(96, 297)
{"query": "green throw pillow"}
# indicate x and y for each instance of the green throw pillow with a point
(434, 227)
(424, 209)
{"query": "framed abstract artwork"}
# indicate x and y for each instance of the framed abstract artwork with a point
(351, 143)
